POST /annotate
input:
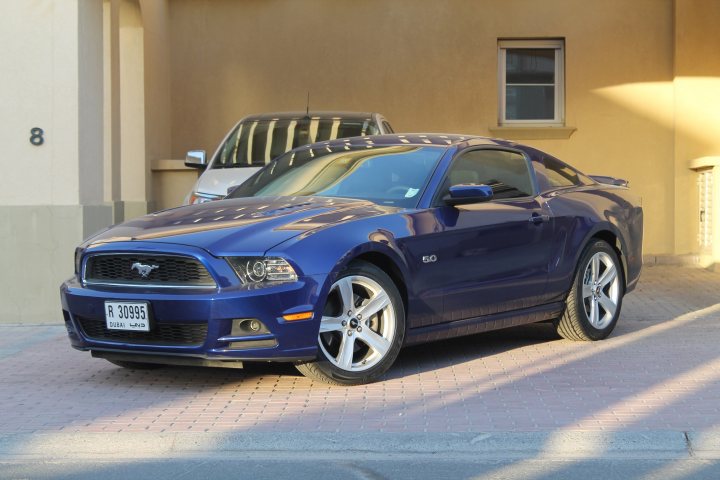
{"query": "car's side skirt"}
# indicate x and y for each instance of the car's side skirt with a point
(471, 326)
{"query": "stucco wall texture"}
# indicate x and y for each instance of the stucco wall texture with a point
(432, 66)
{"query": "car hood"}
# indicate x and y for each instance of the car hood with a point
(216, 181)
(243, 225)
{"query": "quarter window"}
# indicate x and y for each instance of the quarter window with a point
(531, 79)
(560, 174)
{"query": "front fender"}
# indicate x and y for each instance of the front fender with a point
(329, 251)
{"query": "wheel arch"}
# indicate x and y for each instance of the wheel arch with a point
(387, 265)
(383, 256)
(612, 238)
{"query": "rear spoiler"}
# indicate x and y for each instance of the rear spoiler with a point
(620, 182)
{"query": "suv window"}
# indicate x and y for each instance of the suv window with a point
(506, 172)
(559, 174)
(254, 143)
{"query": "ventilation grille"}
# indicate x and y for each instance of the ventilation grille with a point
(147, 270)
(179, 334)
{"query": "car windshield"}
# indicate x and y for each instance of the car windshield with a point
(254, 143)
(388, 175)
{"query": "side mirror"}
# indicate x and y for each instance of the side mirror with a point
(231, 189)
(468, 193)
(196, 159)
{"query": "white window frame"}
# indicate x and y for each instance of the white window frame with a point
(559, 46)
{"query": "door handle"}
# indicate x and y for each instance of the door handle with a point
(537, 218)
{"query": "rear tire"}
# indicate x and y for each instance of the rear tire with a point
(361, 330)
(135, 365)
(595, 298)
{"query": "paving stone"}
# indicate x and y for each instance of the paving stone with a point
(660, 370)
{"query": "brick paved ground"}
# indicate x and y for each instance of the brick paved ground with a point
(659, 370)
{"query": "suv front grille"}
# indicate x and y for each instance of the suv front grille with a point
(159, 270)
(181, 334)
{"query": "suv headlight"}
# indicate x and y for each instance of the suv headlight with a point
(78, 260)
(197, 197)
(259, 270)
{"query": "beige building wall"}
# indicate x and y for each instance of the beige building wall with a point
(697, 119)
(432, 66)
(51, 195)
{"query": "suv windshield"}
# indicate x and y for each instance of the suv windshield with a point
(254, 143)
(392, 175)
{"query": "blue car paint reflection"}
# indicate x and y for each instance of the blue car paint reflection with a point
(497, 263)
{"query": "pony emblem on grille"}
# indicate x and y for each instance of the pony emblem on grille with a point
(142, 269)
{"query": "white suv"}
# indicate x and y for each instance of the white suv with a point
(257, 139)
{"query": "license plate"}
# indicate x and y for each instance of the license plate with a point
(133, 316)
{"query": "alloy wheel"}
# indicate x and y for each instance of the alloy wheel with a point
(600, 290)
(358, 325)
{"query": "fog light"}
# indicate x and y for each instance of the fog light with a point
(242, 327)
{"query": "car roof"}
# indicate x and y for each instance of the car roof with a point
(311, 114)
(418, 139)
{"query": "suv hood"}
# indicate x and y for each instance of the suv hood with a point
(216, 181)
(242, 225)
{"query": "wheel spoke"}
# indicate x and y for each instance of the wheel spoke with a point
(586, 291)
(331, 324)
(346, 294)
(595, 268)
(608, 304)
(345, 355)
(379, 301)
(608, 275)
(594, 314)
(375, 341)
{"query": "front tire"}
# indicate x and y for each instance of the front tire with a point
(361, 330)
(595, 298)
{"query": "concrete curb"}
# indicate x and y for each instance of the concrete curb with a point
(491, 445)
(705, 444)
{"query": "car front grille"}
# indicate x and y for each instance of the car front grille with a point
(180, 334)
(147, 271)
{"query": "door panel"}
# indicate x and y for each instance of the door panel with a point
(491, 257)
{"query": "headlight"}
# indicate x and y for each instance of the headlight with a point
(197, 197)
(259, 270)
(78, 260)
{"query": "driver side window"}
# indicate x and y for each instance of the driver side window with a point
(506, 172)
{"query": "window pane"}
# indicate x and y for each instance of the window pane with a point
(348, 129)
(530, 103)
(530, 65)
(259, 139)
(559, 174)
(506, 172)
(324, 130)
(234, 152)
(394, 175)
(279, 138)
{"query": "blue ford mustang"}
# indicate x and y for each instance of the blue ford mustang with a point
(337, 254)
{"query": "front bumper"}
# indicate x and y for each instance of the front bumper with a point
(208, 315)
